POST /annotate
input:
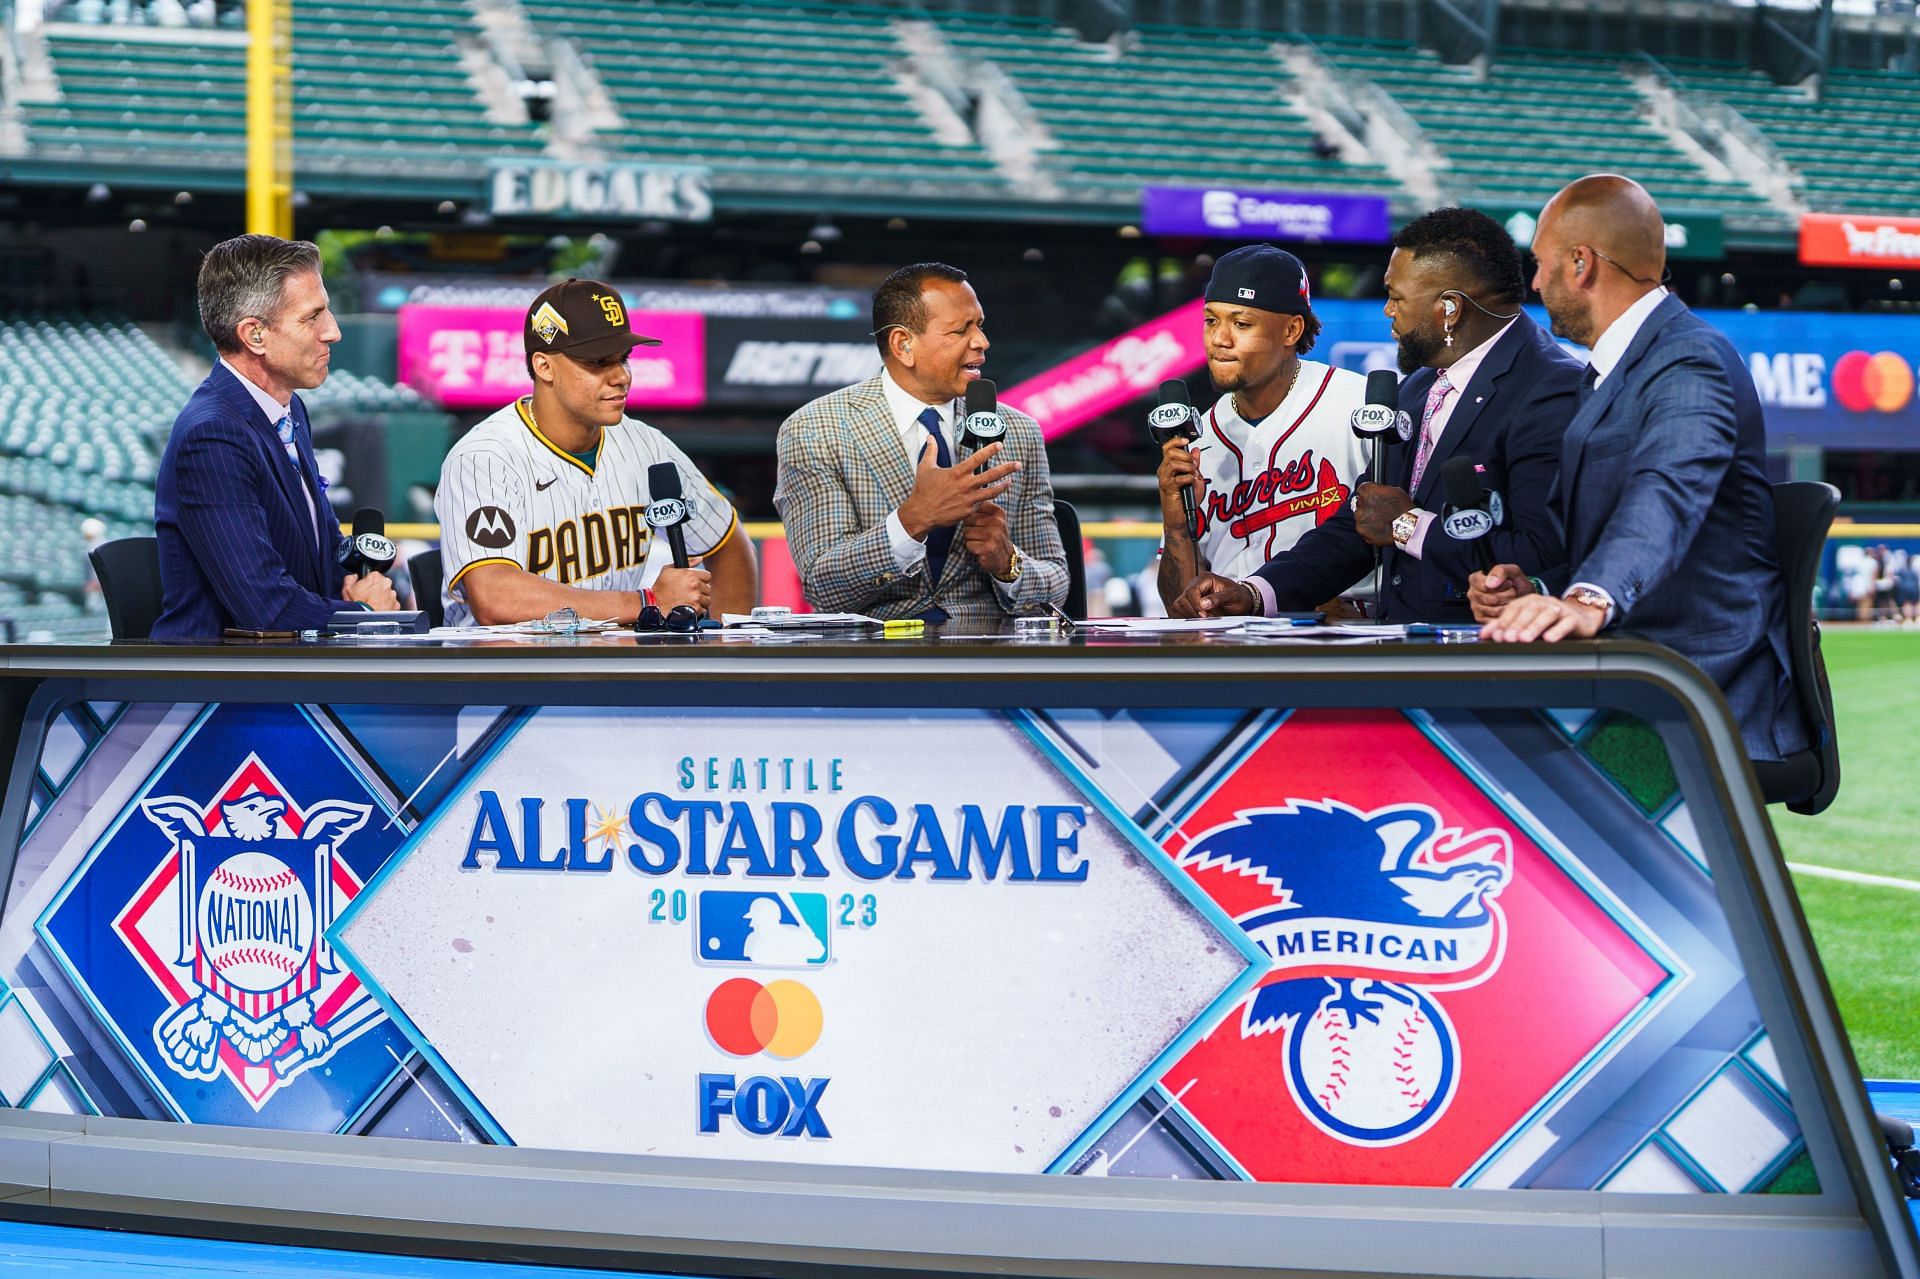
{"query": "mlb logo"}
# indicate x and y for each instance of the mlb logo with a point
(763, 929)
(1246, 295)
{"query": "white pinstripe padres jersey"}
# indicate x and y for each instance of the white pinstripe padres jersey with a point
(509, 495)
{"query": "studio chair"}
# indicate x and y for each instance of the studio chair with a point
(1806, 782)
(424, 570)
(129, 573)
(1068, 520)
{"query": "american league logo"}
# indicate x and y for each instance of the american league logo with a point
(1365, 914)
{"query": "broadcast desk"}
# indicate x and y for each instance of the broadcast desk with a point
(1195, 955)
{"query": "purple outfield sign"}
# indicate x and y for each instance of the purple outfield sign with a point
(1271, 215)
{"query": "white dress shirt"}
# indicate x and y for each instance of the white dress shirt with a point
(908, 553)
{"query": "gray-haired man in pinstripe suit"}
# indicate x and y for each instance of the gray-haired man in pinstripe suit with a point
(885, 513)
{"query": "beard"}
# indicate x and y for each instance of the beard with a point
(1417, 350)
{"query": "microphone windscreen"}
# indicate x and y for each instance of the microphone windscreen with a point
(982, 397)
(1461, 479)
(368, 520)
(663, 481)
(1383, 387)
(1174, 391)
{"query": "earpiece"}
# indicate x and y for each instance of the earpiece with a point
(1579, 266)
(1448, 306)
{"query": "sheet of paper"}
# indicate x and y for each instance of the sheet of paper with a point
(1162, 625)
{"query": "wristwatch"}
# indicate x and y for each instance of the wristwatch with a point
(1405, 525)
(1590, 597)
(1013, 568)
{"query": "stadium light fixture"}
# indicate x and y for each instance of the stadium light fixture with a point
(1033, 255)
(896, 224)
(137, 225)
(99, 193)
(824, 231)
(183, 197)
(810, 246)
(1129, 232)
(445, 207)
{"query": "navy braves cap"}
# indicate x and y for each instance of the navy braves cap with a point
(1262, 277)
(581, 318)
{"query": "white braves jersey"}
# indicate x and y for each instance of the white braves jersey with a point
(509, 495)
(1268, 484)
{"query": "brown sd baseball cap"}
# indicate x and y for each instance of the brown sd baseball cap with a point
(581, 318)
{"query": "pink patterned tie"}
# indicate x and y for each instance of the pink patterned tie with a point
(1435, 398)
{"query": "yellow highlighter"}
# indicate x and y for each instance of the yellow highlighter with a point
(902, 627)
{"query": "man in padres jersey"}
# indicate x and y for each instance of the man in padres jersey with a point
(1277, 455)
(543, 505)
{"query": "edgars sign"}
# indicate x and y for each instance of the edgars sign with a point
(673, 193)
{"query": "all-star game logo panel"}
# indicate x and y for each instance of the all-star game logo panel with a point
(1436, 974)
(196, 928)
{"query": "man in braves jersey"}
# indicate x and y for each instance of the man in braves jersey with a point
(1486, 383)
(1277, 455)
(543, 505)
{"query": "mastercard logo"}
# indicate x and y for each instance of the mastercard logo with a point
(1883, 381)
(781, 1018)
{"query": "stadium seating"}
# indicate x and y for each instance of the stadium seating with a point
(1538, 120)
(85, 404)
(801, 96)
(1176, 105)
(1844, 146)
(373, 88)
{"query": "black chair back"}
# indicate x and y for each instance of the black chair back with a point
(424, 571)
(1068, 520)
(1802, 513)
(129, 573)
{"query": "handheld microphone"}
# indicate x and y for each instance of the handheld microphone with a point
(1380, 417)
(984, 424)
(667, 510)
(1174, 419)
(1468, 519)
(369, 550)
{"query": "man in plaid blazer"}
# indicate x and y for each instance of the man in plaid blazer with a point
(885, 513)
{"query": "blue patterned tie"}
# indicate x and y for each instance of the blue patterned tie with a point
(939, 540)
(285, 427)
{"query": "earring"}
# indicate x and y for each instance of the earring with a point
(1449, 337)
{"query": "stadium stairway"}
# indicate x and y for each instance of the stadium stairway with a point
(788, 96)
(375, 90)
(1845, 147)
(1536, 121)
(1167, 104)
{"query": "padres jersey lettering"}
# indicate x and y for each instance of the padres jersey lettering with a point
(1267, 484)
(509, 495)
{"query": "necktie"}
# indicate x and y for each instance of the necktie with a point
(1587, 380)
(285, 427)
(1435, 398)
(939, 540)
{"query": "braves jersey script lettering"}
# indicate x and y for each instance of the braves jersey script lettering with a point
(508, 495)
(1268, 483)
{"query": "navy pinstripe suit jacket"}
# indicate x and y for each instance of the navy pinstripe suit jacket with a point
(237, 544)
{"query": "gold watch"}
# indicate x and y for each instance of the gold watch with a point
(1405, 525)
(1013, 568)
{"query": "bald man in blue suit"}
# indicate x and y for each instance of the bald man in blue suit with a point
(246, 538)
(1663, 494)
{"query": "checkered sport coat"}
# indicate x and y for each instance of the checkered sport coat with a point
(842, 472)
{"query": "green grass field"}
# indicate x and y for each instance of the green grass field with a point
(1869, 936)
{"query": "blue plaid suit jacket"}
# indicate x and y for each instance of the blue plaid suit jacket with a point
(237, 544)
(842, 472)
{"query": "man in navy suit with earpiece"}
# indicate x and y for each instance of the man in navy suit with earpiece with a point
(1486, 384)
(246, 538)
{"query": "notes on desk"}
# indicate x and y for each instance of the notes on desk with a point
(1162, 625)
